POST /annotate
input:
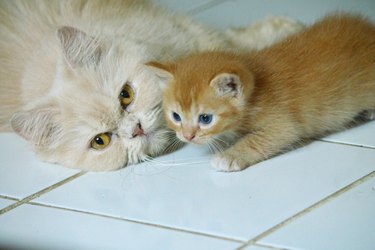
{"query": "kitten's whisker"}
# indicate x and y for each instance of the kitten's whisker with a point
(212, 146)
(174, 162)
(218, 145)
(174, 145)
(221, 140)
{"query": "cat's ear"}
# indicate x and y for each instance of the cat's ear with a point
(38, 125)
(227, 85)
(79, 49)
(162, 71)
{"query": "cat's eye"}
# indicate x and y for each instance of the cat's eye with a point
(205, 119)
(176, 117)
(126, 96)
(100, 141)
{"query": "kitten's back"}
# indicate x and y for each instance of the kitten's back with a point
(326, 73)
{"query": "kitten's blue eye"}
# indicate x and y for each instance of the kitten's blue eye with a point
(176, 117)
(205, 119)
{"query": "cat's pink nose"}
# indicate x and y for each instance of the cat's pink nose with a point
(138, 130)
(189, 137)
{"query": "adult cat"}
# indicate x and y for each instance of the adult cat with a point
(82, 96)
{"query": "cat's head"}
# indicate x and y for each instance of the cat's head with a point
(205, 95)
(103, 110)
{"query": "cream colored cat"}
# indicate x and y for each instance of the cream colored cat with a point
(72, 73)
(313, 83)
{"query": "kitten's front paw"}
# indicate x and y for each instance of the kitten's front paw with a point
(227, 163)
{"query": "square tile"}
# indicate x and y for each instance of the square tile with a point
(42, 228)
(363, 135)
(255, 247)
(4, 203)
(21, 172)
(347, 222)
(195, 197)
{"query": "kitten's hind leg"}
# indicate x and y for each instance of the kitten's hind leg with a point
(255, 147)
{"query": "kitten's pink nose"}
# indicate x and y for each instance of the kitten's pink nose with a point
(189, 137)
(138, 130)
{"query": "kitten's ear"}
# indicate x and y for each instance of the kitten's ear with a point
(163, 71)
(38, 125)
(79, 49)
(229, 85)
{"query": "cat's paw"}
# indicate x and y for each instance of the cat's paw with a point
(227, 163)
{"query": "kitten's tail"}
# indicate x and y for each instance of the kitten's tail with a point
(263, 33)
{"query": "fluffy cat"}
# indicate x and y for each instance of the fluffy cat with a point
(314, 82)
(72, 73)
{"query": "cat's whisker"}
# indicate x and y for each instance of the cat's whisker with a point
(219, 147)
(213, 146)
(167, 132)
(177, 163)
(210, 147)
(174, 145)
(221, 141)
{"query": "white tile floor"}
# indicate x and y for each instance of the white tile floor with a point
(321, 196)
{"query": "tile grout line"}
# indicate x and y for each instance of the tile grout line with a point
(140, 222)
(308, 209)
(39, 193)
(204, 7)
(8, 198)
(264, 246)
(346, 144)
(268, 247)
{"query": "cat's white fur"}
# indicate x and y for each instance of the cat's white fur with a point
(63, 83)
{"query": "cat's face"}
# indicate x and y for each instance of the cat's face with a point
(204, 98)
(198, 117)
(103, 111)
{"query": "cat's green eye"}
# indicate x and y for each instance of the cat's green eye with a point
(126, 96)
(100, 141)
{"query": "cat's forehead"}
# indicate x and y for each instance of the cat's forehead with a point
(191, 102)
(185, 92)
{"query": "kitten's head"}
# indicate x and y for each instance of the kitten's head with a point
(205, 95)
(103, 110)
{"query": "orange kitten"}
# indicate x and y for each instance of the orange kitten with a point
(315, 82)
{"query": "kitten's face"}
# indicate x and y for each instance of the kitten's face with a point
(101, 114)
(201, 119)
(204, 97)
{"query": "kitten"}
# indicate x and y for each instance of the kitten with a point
(314, 82)
(72, 73)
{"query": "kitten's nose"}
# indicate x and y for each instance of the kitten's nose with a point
(189, 137)
(137, 130)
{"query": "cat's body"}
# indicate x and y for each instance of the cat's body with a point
(315, 82)
(83, 96)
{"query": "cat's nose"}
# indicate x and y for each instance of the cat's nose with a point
(137, 130)
(189, 137)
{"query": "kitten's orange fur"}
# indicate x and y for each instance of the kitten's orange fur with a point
(315, 82)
